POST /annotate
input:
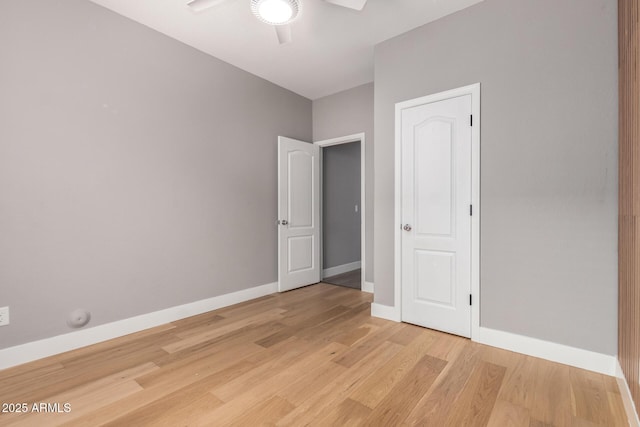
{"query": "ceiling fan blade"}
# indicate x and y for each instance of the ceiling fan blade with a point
(284, 33)
(351, 4)
(200, 5)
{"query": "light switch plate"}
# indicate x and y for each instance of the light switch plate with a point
(4, 316)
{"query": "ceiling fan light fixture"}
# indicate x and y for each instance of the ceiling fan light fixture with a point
(275, 12)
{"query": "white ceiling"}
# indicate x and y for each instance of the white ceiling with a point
(332, 48)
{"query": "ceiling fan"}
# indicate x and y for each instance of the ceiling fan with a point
(279, 13)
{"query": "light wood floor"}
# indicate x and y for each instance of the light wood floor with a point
(350, 279)
(309, 356)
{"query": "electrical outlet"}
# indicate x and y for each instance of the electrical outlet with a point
(4, 316)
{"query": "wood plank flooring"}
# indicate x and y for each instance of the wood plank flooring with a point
(313, 356)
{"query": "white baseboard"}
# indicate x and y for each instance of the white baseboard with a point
(627, 400)
(28, 352)
(339, 269)
(585, 359)
(387, 312)
(367, 287)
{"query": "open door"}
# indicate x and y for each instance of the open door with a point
(298, 214)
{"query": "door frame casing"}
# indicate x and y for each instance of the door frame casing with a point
(357, 137)
(474, 91)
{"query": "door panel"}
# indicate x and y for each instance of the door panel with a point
(438, 269)
(300, 185)
(298, 214)
(300, 253)
(433, 163)
(436, 195)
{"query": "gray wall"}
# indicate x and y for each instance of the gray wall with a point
(136, 173)
(341, 193)
(346, 113)
(548, 71)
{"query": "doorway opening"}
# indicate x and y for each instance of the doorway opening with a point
(341, 227)
(342, 195)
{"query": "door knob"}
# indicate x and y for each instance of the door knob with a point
(284, 222)
(407, 227)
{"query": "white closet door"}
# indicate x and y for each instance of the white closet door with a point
(436, 217)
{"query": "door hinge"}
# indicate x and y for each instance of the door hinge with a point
(471, 210)
(471, 120)
(470, 299)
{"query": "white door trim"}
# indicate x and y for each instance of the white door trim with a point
(474, 91)
(345, 140)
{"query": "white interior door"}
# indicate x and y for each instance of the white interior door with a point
(436, 217)
(298, 214)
